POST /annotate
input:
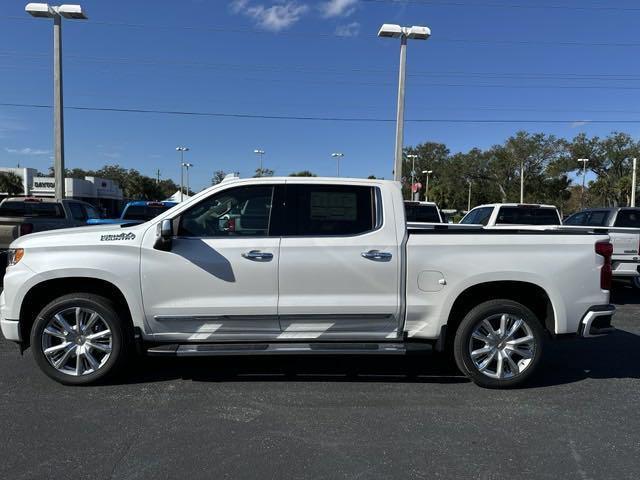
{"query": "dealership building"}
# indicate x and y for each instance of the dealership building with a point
(101, 192)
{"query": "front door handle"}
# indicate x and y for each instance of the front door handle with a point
(377, 255)
(258, 256)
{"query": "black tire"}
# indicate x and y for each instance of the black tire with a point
(493, 310)
(120, 340)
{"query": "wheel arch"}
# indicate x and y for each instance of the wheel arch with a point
(532, 296)
(46, 291)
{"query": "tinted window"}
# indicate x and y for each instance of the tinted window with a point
(242, 211)
(527, 216)
(628, 218)
(31, 209)
(327, 210)
(143, 212)
(577, 219)
(421, 213)
(77, 212)
(598, 218)
(470, 217)
(91, 212)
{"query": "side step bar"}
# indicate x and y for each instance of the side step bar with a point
(221, 349)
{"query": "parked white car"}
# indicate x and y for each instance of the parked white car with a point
(332, 269)
(623, 226)
(511, 214)
(422, 212)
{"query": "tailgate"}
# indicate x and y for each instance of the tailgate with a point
(8, 232)
(625, 244)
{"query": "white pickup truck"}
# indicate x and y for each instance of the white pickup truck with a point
(622, 224)
(302, 266)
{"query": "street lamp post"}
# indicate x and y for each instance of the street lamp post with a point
(187, 166)
(404, 33)
(426, 193)
(413, 174)
(584, 174)
(633, 183)
(469, 198)
(182, 150)
(260, 153)
(337, 156)
(73, 12)
(521, 181)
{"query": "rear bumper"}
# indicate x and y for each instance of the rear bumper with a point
(625, 269)
(597, 321)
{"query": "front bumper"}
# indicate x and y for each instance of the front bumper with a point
(597, 321)
(10, 328)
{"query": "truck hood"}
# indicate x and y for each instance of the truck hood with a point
(90, 235)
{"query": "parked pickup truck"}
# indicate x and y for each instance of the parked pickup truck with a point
(22, 215)
(135, 212)
(510, 214)
(623, 226)
(331, 268)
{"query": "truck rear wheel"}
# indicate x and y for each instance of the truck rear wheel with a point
(499, 344)
(79, 339)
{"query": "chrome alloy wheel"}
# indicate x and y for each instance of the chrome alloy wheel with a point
(502, 346)
(77, 341)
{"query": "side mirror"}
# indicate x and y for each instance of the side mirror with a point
(164, 236)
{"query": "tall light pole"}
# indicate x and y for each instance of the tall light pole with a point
(404, 33)
(337, 156)
(633, 183)
(182, 150)
(521, 181)
(260, 153)
(73, 12)
(187, 166)
(584, 175)
(426, 193)
(469, 198)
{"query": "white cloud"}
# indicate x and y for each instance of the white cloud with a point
(338, 8)
(350, 30)
(27, 151)
(276, 17)
(580, 123)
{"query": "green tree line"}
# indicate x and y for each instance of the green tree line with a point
(552, 173)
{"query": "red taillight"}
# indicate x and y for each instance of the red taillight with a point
(232, 225)
(26, 228)
(605, 250)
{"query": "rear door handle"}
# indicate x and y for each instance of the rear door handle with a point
(258, 256)
(377, 255)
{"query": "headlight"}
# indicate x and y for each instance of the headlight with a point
(14, 255)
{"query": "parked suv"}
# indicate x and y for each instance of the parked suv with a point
(511, 214)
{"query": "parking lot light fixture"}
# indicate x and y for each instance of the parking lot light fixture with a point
(403, 33)
(260, 153)
(182, 150)
(71, 12)
(426, 193)
(584, 174)
(337, 156)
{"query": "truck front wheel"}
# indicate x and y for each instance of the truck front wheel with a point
(499, 344)
(79, 339)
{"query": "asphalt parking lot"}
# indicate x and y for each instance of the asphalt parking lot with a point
(338, 417)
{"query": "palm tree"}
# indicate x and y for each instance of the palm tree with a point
(10, 183)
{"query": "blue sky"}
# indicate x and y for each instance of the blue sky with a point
(564, 60)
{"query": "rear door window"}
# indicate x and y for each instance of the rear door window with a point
(329, 210)
(77, 212)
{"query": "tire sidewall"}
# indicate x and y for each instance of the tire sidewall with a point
(107, 310)
(468, 325)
